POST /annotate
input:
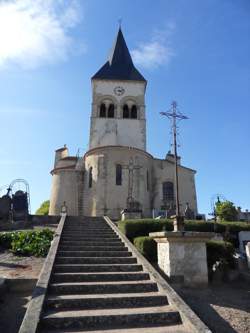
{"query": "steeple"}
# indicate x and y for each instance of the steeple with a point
(120, 64)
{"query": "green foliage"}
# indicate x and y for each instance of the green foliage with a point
(36, 243)
(136, 228)
(44, 208)
(147, 247)
(226, 211)
(219, 253)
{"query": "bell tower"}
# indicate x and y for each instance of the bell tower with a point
(118, 101)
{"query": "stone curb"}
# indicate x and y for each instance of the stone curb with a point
(189, 318)
(33, 313)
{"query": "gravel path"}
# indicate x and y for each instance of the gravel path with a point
(224, 308)
(13, 267)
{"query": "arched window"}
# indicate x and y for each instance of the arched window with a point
(90, 177)
(103, 110)
(168, 191)
(134, 112)
(118, 174)
(111, 111)
(125, 111)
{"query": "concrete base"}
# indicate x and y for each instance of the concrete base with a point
(127, 215)
(182, 256)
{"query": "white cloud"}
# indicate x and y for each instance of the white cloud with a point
(157, 51)
(33, 32)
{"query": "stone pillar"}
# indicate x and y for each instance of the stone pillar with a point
(182, 256)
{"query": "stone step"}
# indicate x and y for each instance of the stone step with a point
(114, 242)
(106, 301)
(75, 229)
(113, 318)
(97, 268)
(93, 260)
(102, 288)
(89, 234)
(98, 277)
(95, 239)
(155, 329)
(92, 248)
(96, 254)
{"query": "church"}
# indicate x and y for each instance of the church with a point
(117, 172)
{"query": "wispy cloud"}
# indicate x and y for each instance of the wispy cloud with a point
(34, 32)
(157, 51)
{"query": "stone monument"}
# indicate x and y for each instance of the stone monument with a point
(182, 256)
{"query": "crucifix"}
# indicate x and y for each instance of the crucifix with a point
(175, 116)
(131, 167)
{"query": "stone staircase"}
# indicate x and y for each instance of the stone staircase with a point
(97, 286)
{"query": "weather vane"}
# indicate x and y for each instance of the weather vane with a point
(174, 115)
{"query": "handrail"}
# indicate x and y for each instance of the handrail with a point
(32, 316)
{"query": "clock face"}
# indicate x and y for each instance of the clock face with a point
(119, 91)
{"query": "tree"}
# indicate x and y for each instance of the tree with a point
(43, 209)
(226, 211)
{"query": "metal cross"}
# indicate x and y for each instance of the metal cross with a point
(174, 115)
(131, 167)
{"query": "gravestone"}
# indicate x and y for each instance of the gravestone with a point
(244, 238)
(248, 254)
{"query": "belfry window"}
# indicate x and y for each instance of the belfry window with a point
(125, 111)
(103, 110)
(90, 177)
(134, 112)
(168, 191)
(111, 111)
(118, 174)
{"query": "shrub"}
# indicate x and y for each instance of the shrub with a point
(136, 228)
(219, 253)
(27, 243)
(147, 247)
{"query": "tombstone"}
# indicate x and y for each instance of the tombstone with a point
(5, 207)
(248, 254)
(189, 213)
(20, 205)
(244, 238)
(133, 210)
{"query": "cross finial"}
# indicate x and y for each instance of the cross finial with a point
(120, 22)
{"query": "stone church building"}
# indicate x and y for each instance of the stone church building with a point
(117, 172)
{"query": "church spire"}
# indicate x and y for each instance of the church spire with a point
(120, 64)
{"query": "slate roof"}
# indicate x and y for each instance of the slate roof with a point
(120, 64)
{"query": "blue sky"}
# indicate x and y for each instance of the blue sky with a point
(195, 52)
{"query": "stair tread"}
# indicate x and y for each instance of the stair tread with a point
(160, 329)
(99, 273)
(103, 296)
(107, 312)
(104, 283)
(94, 265)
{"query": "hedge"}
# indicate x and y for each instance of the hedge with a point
(219, 253)
(142, 227)
(27, 243)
